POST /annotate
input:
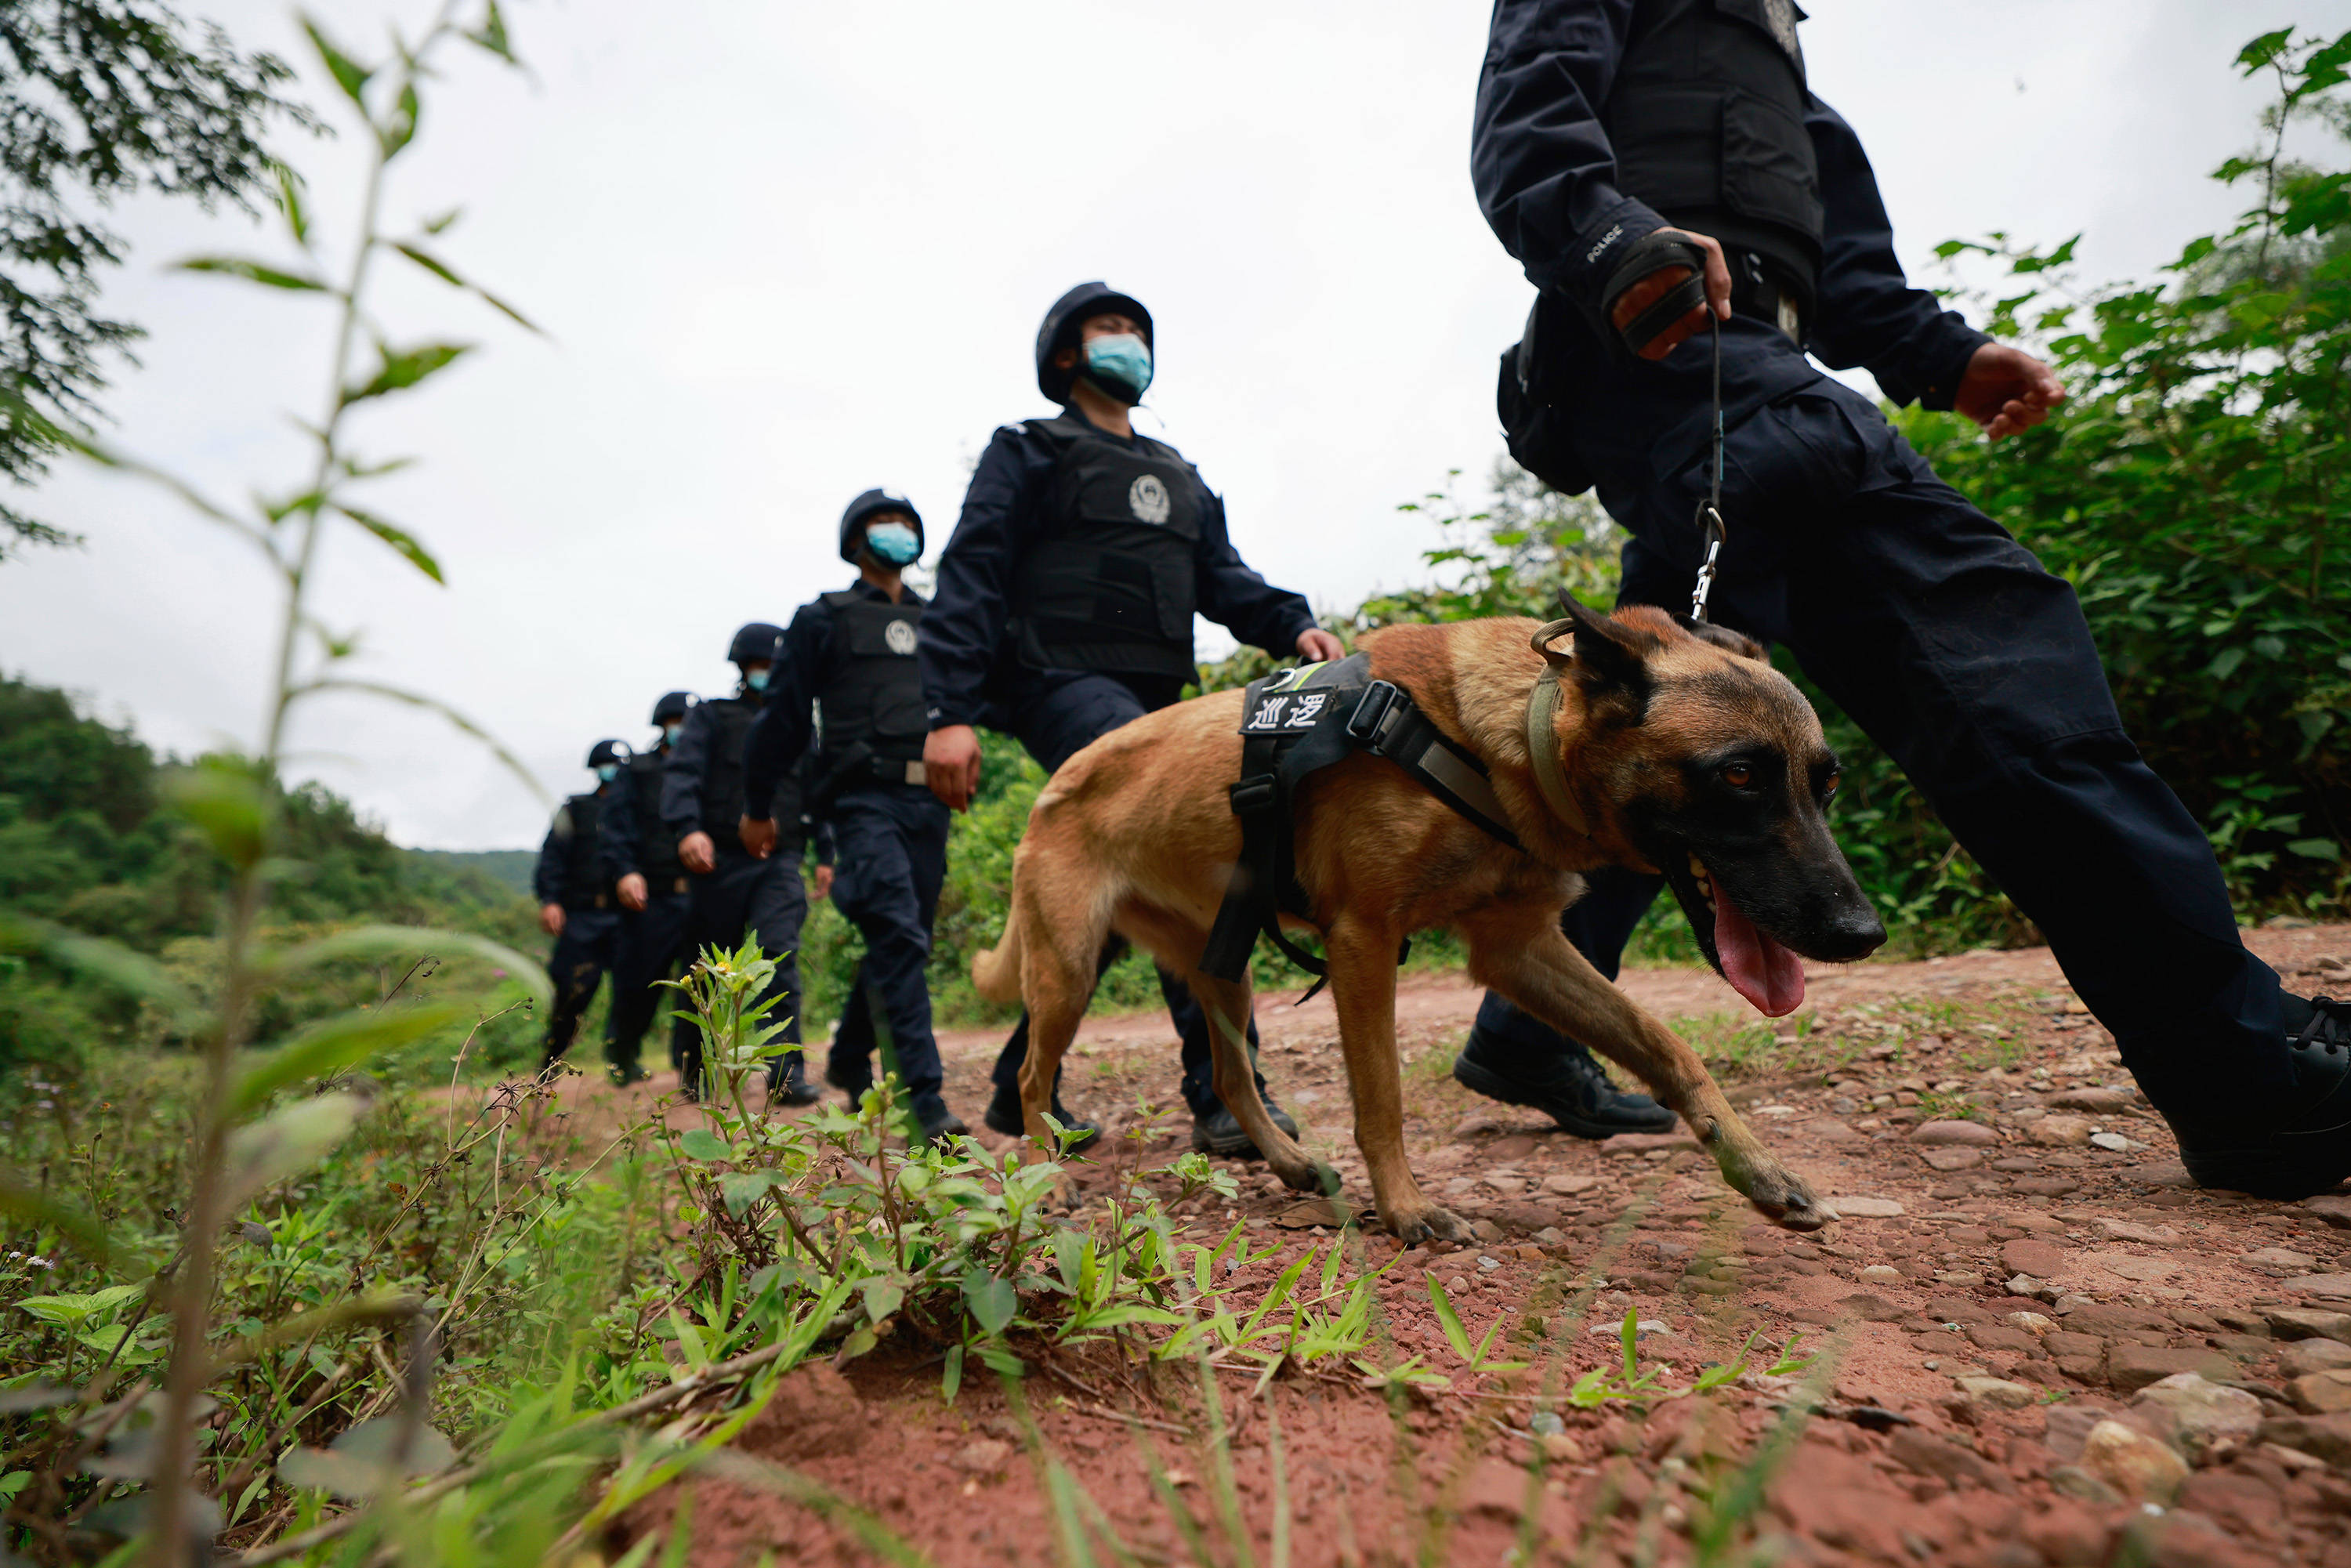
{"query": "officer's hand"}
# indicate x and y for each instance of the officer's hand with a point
(951, 764)
(1660, 283)
(550, 919)
(823, 881)
(631, 889)
(2007, 390)
(1316, 643)
(758, 838)
(698, 854)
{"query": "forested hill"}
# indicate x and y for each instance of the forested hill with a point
(87, 839)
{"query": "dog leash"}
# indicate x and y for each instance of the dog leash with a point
(1709, 511)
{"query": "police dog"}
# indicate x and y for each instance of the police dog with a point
(1682, 749)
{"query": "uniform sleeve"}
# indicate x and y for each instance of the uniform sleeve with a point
(1869, 314)
(1538, 157)
(779, 736)
(547, 877)
(617, 834)
(682, 775)
(963, 626)
(1236, 598)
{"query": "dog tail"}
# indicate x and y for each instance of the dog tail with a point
(996, 971)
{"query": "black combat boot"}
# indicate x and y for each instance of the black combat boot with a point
(787, 1083)
(626, 1074)
(1004, 1116)
(1218, 1132)
(1568, 1086)
(2306, 1148)
(938, 1123)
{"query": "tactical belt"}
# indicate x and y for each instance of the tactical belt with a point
(858, 764)
(1298, 723)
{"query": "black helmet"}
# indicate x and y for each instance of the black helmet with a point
(673, 705)
(1061, 331)
(604, 751)
(757, 640)
(870, 505)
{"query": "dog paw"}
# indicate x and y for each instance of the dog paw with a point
(1787, 1200)
(1432, 1224)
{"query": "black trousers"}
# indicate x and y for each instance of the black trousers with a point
(890, 854)
(1056, 714)
(589, 941)
(652, 941)
(742, 896)
(1948, 643)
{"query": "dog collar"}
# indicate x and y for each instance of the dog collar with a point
(1542, 741)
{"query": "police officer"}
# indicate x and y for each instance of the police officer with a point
(655, 893)
(1065, 603)
(852, 654)
(734, 890)
(1652, 162)
(576, 906)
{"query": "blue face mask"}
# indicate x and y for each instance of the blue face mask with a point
(670, 732)
(756, 679)
(894, 542)
(1120, 366)
(608, 771)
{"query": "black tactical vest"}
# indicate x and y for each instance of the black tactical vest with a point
(656, 849)
(722, 779)
(1108, 583)
(1707, 117)
(874, 692)
(581, 886)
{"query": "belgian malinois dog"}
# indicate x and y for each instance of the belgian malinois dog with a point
(1678, 749)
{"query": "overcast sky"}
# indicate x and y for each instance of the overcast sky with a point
(785, 252)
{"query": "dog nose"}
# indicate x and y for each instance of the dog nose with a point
(1852, 931)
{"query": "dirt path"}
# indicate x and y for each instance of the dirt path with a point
(2006, 1316)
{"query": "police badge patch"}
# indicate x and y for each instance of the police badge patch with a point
(1782, 15)
(1147, 497)
(1290, 702)
(900, 637)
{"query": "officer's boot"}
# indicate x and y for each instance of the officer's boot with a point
(1004, 1116)
(2306, 1148)
(1565, 1084)
(938, 1123)
(787, 1083)
(1218, 1131)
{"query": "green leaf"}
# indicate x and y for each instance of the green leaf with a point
(39, 1209)
(290, 202)
(251, 271)
(401, 129)
(1449, 1320)
(741, 1190)
(398, 538)
(992, 1300)
(2263, 49)
(406, 941)
(346, 71)
(110, 962)
(702, 1144)
(882, 1297)
(447, 274)
(225, 799)
(403, 368)
(491, 35)
(332, 1044)
(286, 1143)
(951, 1378)
(2315, 848)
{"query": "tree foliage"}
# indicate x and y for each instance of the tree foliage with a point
(101, 99)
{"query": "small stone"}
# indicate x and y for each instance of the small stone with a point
(1559, 1448)
(2332, 1207)
(2309, 1356)
(2091, 1099)
(2194, 1413)
(2032, 1322)
(2113, 1142)
(2131, 1367)
(2307, 1322)
(1866, 1207)
(1646, 1144)
(2322, 1393)
(1486, 1230)
(2132, 1463)
(1546, 1424)
(2129, 1266)
(1997, 1392)
(2327, 1437)
(1879, 1274)
(1951, 1159)
(2025, 1285)
(982, 1456)
(1973, 1134)
(1567, 1185)
(2334, 1285)
(2283, 1258)
(2038, 1259)
(2126, 1230)
(2060, 1131)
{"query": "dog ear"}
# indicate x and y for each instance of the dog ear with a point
(1738, 644)
(1608, 654)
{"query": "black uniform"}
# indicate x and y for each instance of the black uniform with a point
(632, 838)
(1599, 121)
(1064, 609)
(702, 791)
(569, 874)
(851, 655)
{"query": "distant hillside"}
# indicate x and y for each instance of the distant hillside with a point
(509, 869)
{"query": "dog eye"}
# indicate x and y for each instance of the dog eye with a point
(1829, 784)
(1739, 776)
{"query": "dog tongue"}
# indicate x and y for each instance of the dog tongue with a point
(1759, 969)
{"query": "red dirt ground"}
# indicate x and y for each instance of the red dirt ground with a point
(2048, 1438)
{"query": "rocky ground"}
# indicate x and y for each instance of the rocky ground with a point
(2034, 1341)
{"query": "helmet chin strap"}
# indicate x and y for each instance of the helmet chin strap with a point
(1542, 734)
